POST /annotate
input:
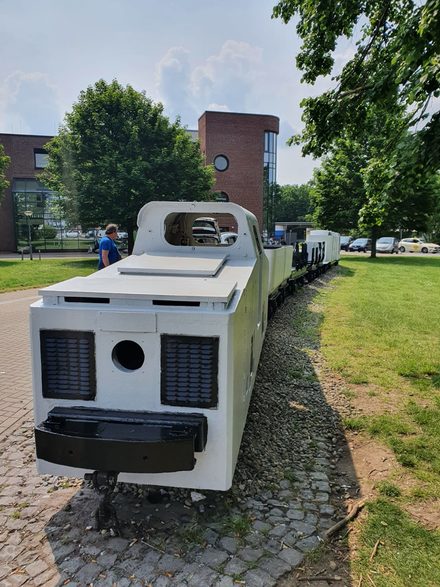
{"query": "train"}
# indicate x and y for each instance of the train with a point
(144, 370)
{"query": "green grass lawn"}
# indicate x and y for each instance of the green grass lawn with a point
(381, 332)
(19, 274)
(380, 323)
(408, 555)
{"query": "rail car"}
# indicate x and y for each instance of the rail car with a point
(145, 369)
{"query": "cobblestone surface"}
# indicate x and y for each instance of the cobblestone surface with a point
(279, 506)
(15, 368)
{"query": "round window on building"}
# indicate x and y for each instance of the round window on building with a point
(221, 162)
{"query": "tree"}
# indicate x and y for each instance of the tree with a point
(115, 152)
(338, 190)
(293, 203)
(357, 188)
(4, 162)
(433, 228)
(397, 58)
(271, 194)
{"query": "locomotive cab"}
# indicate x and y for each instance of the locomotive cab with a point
(141, 368)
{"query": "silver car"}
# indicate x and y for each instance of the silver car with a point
(387, 244)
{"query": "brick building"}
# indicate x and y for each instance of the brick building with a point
(242, 148)
(27, 159)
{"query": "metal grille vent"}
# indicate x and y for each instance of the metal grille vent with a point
(68, 364)
(189, 370)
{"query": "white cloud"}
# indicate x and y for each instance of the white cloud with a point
(174, 74)
(286, 132)
(28, 104)
(230, 75)
(224, 81)
(218, 107)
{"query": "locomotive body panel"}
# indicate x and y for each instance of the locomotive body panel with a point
(168, 313)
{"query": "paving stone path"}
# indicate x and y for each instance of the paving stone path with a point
(48, 538)
(249, 536)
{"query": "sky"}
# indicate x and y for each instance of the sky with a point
(191, 55)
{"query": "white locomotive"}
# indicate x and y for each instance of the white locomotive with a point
(146, 368)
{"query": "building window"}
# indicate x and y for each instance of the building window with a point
(221, 162)
(270, 157)
(221, 197)
(41, 158)
(270, 179)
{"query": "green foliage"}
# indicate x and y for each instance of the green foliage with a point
(293, 203)
(47, 232)
(388, 489)
(191, 534)
(117, 151)
(389, 426)
(381, 94)
(271, 195)
(338, 190)
(239, 525)
(397, 60)
(4, 162)
(433, 227)
(355, 424)
(363, 186)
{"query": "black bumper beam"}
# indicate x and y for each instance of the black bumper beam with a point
(122, 441)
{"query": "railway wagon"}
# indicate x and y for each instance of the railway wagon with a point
(146, 368)
(332, 245)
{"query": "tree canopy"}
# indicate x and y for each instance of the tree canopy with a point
(338, 190)
(117, 151)
(293, 203)
(4, 162)
(397, 58)
(357, 190)
(434, 219)
(378, 126)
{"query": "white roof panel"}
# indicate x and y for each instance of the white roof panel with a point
(163, 264)
(146, 287)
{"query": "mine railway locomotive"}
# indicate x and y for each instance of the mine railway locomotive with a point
(145, 369)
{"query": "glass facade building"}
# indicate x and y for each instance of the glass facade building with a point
(38, 214)
(270, 157)
(270, 180)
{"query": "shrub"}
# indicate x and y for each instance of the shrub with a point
(47, 232)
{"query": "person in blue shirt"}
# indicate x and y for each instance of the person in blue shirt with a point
(108, 251)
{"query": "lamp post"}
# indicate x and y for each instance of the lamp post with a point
(28, 214)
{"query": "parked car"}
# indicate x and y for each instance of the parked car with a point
(360, 245)
(228, 238)
(387, 244)
(206, 223)
(91, 233)
(72, 234)
(417, 245)
(346, 242)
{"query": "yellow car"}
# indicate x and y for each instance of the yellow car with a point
(417, 245)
